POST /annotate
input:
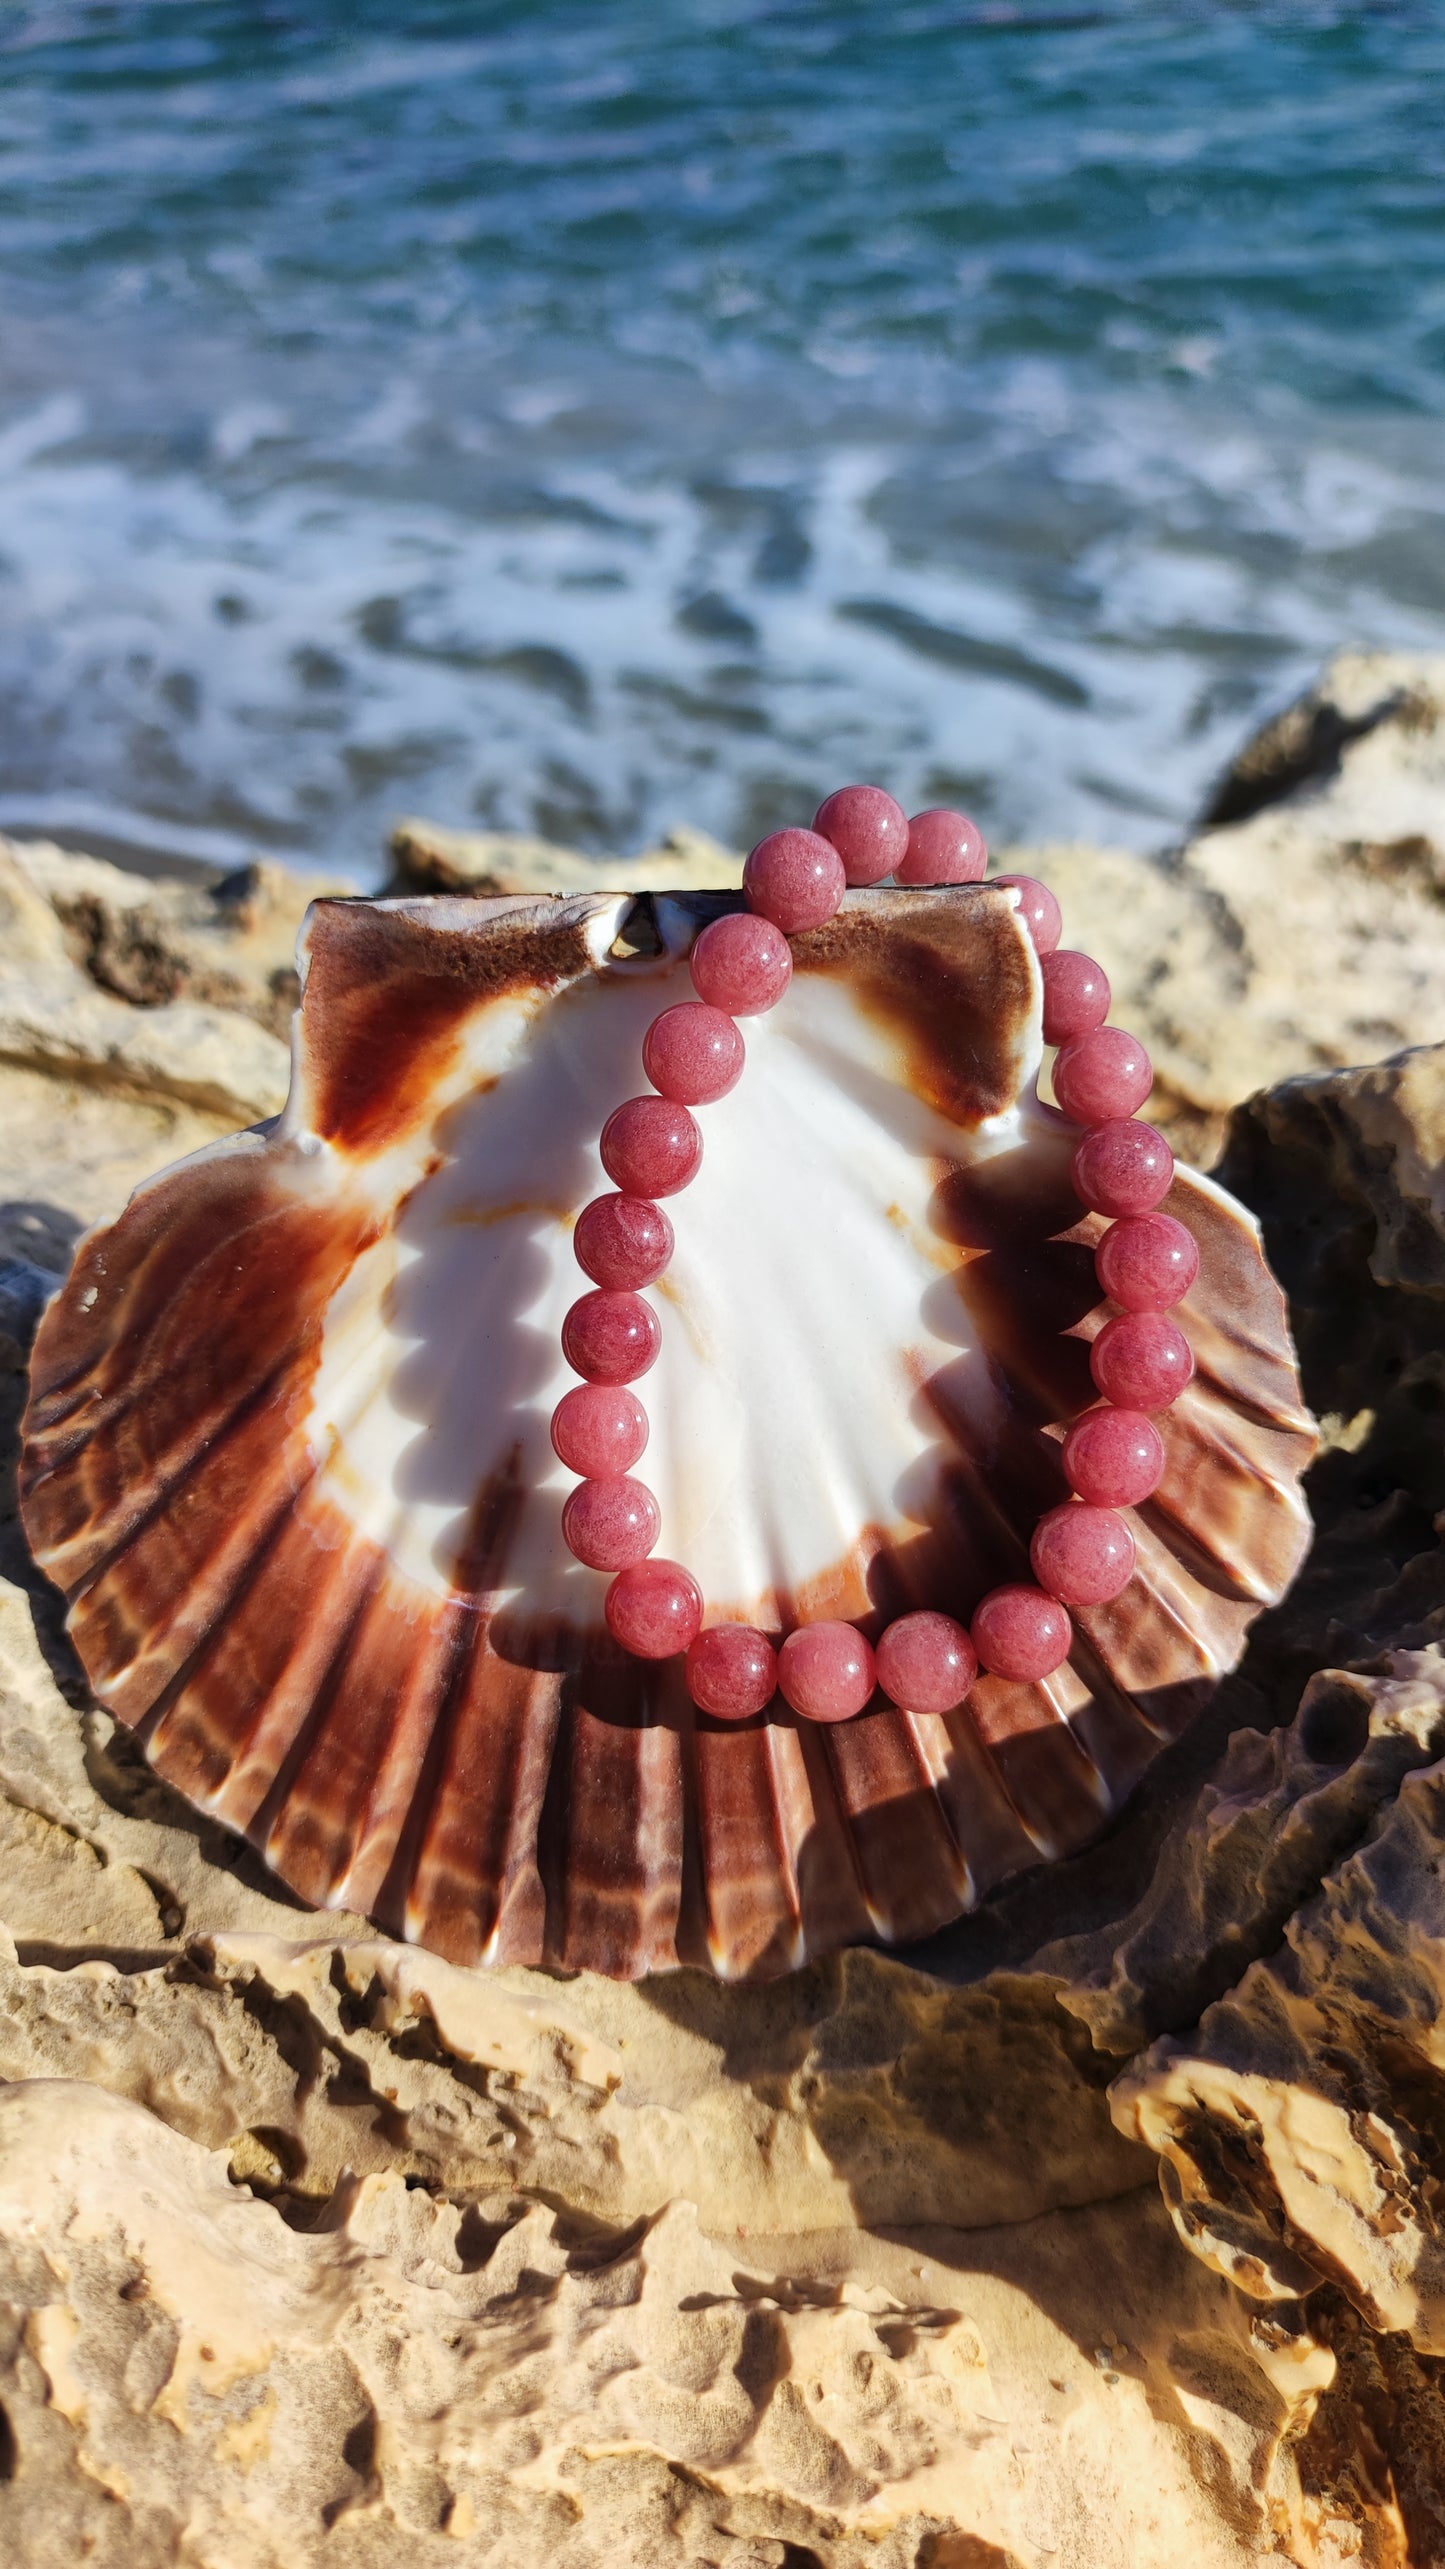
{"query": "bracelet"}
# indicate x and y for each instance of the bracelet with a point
(1082, 1554)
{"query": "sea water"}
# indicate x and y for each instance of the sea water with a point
(588, 416)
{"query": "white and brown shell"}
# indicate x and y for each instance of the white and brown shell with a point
(287, 1450)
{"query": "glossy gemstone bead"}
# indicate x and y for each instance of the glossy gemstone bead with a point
(742, 964)
(1142, 1360)
(1076, 995)
(732, 1671)
(1103, 1076)
(1082, 1555)
(1114, 1458)
(1123, 1168)
(943, 847)
(599, 1430)
(868, 829)
(1038, 910)
(654, 1609)
(622, 1241)
(926, 1663)
(651, 1146)
(1020, 1633)
(796, 879)
(693, 1054)
(611, 1337)
(611, 1524)
(1147, 1262)
(826, 1671)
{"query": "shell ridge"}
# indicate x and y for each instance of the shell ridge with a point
(272, 1805)
(178, 1681)
(193, 1460)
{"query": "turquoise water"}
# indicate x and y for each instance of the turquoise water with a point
(592, 416)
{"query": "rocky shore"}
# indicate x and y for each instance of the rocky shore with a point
(1104, 2231)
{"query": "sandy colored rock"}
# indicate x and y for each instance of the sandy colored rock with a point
(423, 2380)
(229, 943)
(429, 858)
(1305, 928)
(54, 1019)
(1300, 2123)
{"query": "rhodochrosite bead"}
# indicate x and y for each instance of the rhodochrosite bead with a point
(622, 1241)
(943, 847)
(1082, 1555)
(1020, 1633)
(1114, 1458)
(742, 964)
(654, 1609)
(693, 1053)
(599, 1430)
(1123, 1168)
(1142, 1360)
(611, 1337)
(610, 1524)
(868, 829)
(826, 1671)
(650, 1146)
(796, 879)
(926, 1663)
(732, 1671)
(1101, 1076)
(1076, 995)
(1147, 1262)
(1038, 910)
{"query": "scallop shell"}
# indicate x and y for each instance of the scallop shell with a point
(287, 1449)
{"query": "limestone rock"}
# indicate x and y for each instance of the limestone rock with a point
(1300, 2123)
(420, 2380)
(227, 943)
(1304, 927)
(55, 1021)
(1368, 737)
(428, 858)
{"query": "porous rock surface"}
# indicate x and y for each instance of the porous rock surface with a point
(1104, 2230)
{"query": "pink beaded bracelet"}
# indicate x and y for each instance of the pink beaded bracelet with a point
(1081, 1554)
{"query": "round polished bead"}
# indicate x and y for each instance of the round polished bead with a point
(599, 1429)
(868, 829)
(826, 1671)
(1020, 1633)
(651, 1146)
(622, 1241)
(1121, 1167)
(926, 1663)
(732, 1671)
(1076, 995)
(1081, 1555)
(943, 847)
(654, 1609)
(742, 964)
(611, 1337)
(1038, 910)
(1147, 1262)
(610, 1524)
(1114, 1458)
(796, 879)
(693, 1054)
(1102, 1076)
(1142, 1360)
